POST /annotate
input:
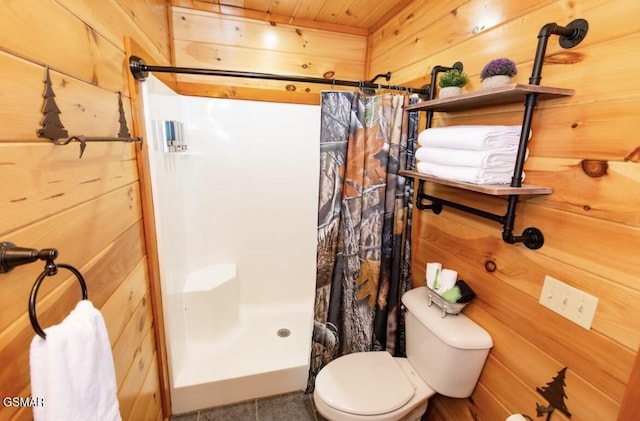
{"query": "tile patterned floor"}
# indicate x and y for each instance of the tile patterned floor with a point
(296, 406)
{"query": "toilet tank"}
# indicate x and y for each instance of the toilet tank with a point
(447, 352)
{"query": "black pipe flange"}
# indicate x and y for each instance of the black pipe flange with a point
(580, 28)
(532, 238)
(136, 65)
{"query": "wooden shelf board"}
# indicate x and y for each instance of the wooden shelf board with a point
(491, 189)
(500, 95)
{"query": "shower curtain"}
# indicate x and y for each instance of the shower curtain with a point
(364, 224)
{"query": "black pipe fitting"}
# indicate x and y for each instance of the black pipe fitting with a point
(12, 256)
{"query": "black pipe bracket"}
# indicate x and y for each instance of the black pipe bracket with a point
(579, 29)
(12, 256)
(136, 67)
(531, 237)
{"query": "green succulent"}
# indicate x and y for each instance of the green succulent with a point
(453, 77)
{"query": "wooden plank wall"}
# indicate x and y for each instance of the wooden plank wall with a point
(251, 42)
(585, 148)
(89, 208)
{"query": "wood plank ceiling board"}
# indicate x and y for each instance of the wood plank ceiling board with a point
(355, 13)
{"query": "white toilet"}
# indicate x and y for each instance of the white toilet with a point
(444, 355)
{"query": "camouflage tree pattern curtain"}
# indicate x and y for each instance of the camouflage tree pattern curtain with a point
(364, 222)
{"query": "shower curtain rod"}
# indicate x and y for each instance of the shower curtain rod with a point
(140, 71)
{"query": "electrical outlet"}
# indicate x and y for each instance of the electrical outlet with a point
(569, 302)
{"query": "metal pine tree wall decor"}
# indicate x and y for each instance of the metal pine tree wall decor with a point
(52, 127)
(554, 393)
(124, 130)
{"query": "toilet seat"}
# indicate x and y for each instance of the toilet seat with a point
(364, 383)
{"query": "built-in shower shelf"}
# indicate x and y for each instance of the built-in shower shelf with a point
(210, 277)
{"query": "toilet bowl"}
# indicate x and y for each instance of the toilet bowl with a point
(444, 355)
(371, 386)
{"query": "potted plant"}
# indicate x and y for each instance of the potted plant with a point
(498, 72)
(451, 83)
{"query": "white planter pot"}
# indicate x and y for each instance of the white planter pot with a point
(449, 91)
(497, 80)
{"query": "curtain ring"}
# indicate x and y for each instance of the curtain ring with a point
(51, 269)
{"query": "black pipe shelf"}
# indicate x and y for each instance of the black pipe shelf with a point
(526, 94)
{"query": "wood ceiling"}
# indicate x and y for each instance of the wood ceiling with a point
(362, 14)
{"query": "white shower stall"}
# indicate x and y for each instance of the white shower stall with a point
(236, 216)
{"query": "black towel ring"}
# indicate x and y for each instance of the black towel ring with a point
(51, 269)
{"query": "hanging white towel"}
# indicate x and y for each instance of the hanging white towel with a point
(502, 158)
(467, 174)
(72, 369)
(473, 137)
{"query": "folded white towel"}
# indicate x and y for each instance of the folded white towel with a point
(72, 369)
(503, 158)
(467, 174)
(433, 272)
(474, 137)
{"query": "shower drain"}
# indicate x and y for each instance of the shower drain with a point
(283, 333)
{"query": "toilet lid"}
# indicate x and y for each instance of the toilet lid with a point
(364, 383)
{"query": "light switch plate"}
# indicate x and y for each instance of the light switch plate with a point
(569, 302)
